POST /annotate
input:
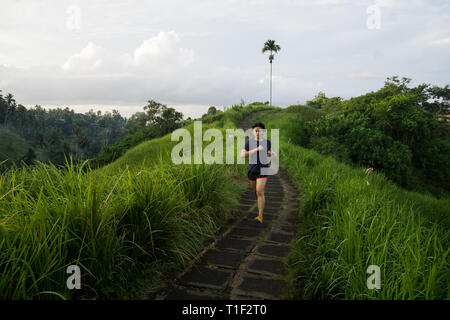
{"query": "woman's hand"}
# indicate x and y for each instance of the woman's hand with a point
(245, 153)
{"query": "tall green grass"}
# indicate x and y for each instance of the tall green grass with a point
(348, 225)
(51, 218)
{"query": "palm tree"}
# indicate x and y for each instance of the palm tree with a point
(10, 100)
(272, 47)
(11, 105)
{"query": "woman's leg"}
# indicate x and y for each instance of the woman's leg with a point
(260, 185)
(253, 184)
(252, 180)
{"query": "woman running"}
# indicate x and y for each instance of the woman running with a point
(256, 179)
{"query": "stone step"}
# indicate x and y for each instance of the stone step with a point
(222, 258)
(245, 232)
(285, 228)
(237, 244)
(267, 266)
(250, 223)
(204, 277)
(259, 287)
(279, 237)
(182, 293)
(267, 218)
(271, 249)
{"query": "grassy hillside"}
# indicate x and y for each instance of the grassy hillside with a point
(349, 223)
(124, 224)
(140, 217)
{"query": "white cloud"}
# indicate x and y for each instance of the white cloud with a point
(155, 57)
(88, 59)
(162, 52)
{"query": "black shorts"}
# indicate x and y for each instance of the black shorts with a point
(253, 175)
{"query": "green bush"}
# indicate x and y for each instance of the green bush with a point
(390, 130)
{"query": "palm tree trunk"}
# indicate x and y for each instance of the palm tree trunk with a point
(270, 82)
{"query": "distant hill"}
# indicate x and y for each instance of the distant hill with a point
(12, 146)
(56, 133)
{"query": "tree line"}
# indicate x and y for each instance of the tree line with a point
(54, 135)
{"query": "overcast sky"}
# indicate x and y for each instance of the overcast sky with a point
(193, 54)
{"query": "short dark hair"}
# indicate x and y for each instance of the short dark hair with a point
(258, 124)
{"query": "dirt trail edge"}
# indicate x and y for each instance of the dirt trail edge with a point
(246, 260)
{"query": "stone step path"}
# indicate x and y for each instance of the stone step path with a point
(247, 259)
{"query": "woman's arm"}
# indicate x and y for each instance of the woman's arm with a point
(245, 153)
